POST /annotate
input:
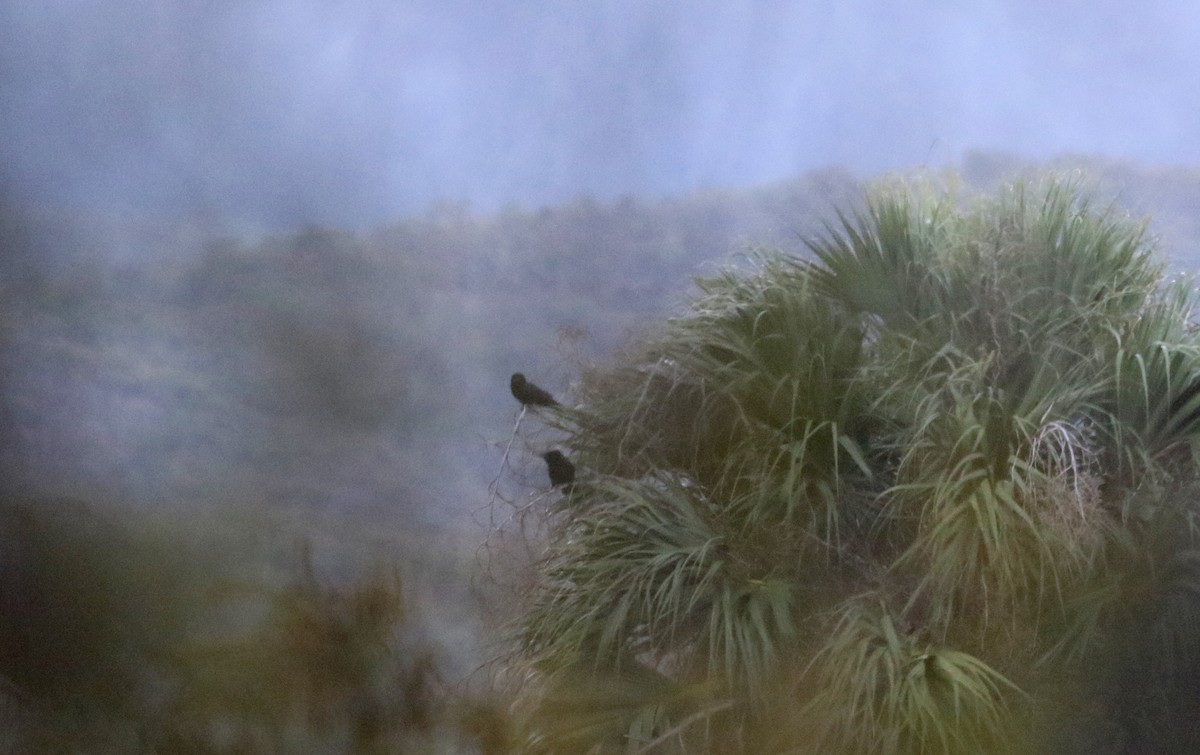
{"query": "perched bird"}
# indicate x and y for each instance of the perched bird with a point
(561, 470)
(528, 393)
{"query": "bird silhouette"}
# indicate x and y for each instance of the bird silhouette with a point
(528, 393)
(561, 470)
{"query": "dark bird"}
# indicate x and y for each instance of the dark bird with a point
(561, 470)
(528, 393)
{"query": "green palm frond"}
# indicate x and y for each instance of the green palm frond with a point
(648, 570)
(883, 262)
(881, 689)
(982, 489)
(629, 570)
(1153, 405)
(1129, 633)
(581, 709)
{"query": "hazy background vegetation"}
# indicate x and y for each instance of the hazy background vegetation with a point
(365, 373)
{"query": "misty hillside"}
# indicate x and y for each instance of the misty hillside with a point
(282, 112)
(328, 370)
(365, 373)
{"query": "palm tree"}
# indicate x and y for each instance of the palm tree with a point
(929, 490)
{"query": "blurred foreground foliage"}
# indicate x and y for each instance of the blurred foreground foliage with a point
(126, 634)
(931, 488)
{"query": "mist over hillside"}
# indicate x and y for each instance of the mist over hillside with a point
(280, 114)
(365, 372)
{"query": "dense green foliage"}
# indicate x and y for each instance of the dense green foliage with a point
(928, 490)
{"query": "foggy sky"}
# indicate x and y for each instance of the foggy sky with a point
(285, 112)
